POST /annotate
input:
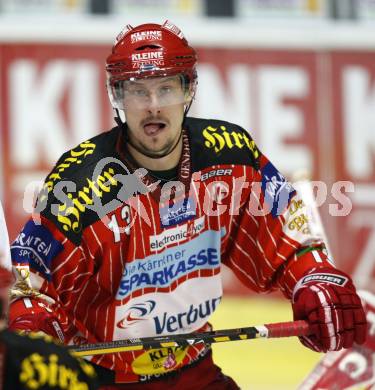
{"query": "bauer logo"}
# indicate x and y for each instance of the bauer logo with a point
(36, 247)
(277, 191)
(136, 313)
(172, 323)
(328, 278)
(216, 172)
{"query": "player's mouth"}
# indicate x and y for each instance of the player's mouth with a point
(154, 128)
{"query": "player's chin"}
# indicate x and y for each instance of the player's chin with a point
(159, 152)
(158, 148)
(150, 149)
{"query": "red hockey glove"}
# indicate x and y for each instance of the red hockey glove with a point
(31, 315)
(327, 300)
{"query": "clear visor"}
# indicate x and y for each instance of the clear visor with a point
(151, 92)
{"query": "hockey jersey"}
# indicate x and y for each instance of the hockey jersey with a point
(116, 255)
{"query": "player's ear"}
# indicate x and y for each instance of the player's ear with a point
(190, 88)
(188, 97)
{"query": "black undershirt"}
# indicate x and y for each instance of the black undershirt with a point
(165, 175)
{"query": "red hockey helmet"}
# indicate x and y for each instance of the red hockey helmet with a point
(150, 50)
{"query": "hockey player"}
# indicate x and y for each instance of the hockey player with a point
(132, 227)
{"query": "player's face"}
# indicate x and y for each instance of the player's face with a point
(154, 110)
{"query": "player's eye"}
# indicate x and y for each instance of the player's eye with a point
(165, 90)
(139, 92)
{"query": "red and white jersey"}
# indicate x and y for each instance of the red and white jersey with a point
(118, 256)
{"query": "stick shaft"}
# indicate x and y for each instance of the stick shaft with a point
(281, 329)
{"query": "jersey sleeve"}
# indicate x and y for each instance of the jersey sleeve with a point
(271, 244)
(49, 268)
(51, 262)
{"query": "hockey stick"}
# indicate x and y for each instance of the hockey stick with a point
(281, 329)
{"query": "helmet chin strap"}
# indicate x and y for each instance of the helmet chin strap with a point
(120, 120)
